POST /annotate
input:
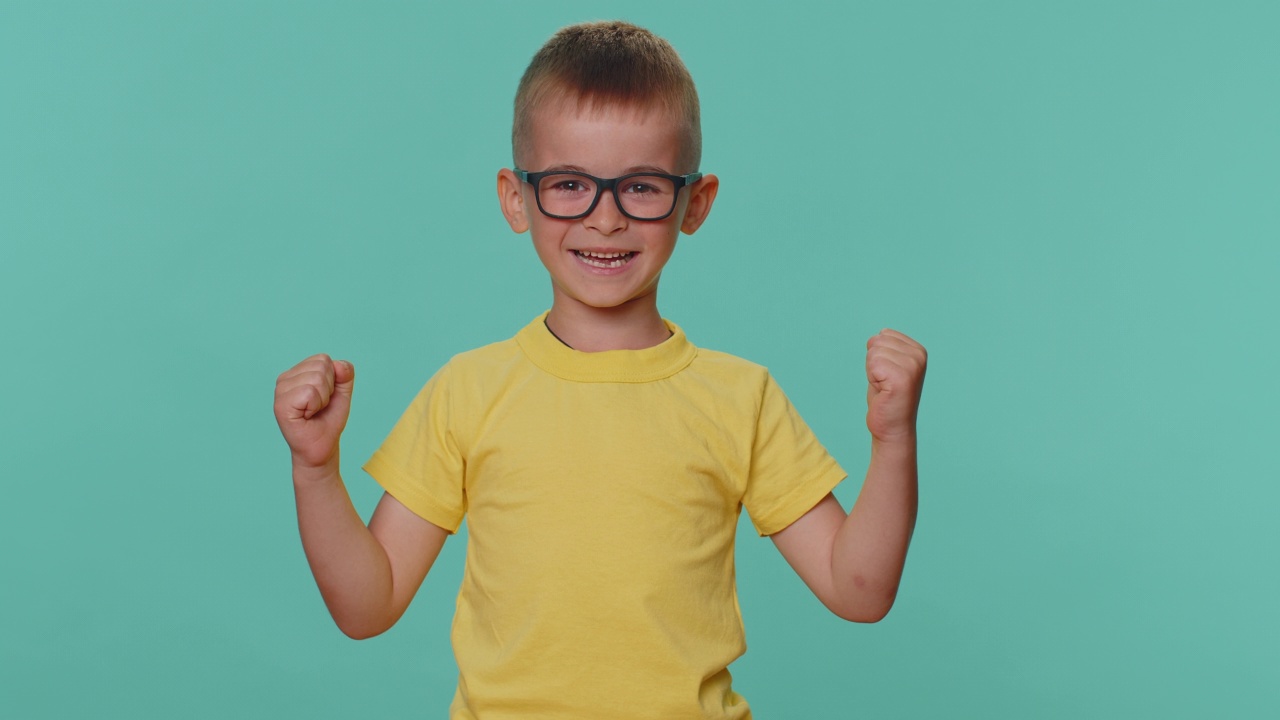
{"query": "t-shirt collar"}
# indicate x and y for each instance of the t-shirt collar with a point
(623, 366)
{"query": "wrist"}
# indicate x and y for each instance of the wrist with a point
(900, 445)
(304, 472)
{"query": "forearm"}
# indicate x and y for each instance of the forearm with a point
(870, 548)
(350, 566)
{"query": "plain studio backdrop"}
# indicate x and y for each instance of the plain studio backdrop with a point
(1075, 207)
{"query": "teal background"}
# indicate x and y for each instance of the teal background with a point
(1073, 206)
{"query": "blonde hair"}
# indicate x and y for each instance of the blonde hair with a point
(604, 64)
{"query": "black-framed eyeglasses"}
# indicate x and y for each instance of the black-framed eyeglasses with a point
(569, 195)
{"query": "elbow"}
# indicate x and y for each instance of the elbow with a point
(362, 629)
(361, 618)
(865, 616)
(864, 612)
(361, 633)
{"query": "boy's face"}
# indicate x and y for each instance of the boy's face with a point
(604, 142)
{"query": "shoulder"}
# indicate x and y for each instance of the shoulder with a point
(470, 370)
(484, 356)
(470, 382)
(728, 380)
(729, 368)
(486, 361)
(753, 385)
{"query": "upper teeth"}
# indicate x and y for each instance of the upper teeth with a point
(604, 260)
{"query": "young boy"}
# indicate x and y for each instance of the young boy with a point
(600, 457)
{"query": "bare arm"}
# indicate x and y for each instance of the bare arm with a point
(366, 575)
(854, 564)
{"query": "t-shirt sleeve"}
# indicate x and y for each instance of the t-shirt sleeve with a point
(790, 470)
(419, 463)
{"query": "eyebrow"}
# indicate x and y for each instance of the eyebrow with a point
(628, 171)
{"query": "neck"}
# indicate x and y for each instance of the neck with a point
(632, 326)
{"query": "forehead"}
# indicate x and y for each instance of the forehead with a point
(604, 138)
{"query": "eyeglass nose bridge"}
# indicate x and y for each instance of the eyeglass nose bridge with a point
(611, 185)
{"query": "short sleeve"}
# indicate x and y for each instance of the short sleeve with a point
(419, 463)
(790, 470)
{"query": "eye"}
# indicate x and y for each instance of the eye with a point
(639, 188)
(567, 185)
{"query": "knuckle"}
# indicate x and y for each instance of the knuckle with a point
(308, 395)
(312, 376)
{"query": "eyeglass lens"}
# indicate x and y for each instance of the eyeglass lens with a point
(641, 196)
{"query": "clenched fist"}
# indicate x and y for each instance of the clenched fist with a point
(895, 377)
(313, 400)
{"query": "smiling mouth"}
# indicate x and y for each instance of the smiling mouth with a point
(604, 260)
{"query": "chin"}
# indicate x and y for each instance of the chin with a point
(598, 302)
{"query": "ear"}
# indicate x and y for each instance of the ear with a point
(511, 200)
(701, 196)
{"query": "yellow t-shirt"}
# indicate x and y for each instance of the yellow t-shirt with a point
(602, 492)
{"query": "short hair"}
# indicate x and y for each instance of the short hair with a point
(610, 63)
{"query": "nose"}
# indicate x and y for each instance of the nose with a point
(606, 218)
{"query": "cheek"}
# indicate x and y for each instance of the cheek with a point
(547, 237)
(545, 250)
(664, 243)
